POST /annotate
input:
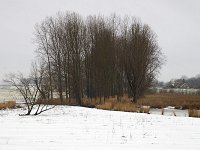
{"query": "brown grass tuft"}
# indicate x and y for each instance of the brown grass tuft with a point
(126, 106)
(194, 113)
(106, 106)
(119, 106)
(8, 104)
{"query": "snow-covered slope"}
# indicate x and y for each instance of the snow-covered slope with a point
(81, 128)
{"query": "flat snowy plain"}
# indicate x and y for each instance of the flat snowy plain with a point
(79, 128)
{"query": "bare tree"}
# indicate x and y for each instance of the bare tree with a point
(31, 89)
(42, 41)
(141, 57)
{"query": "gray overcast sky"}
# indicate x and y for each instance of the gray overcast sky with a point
(176, 23)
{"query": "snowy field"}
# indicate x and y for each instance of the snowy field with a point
(9, 93)
(78, 128)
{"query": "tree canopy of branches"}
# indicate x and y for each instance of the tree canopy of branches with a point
(97, 56)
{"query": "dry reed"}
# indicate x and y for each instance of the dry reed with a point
(8, 104)
(194, 113)
(171, 99)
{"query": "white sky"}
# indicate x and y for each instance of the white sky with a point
(176, 23)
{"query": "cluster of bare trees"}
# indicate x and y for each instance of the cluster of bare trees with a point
(96, 56)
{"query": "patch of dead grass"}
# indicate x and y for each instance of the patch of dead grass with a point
(126, 106)
(194, 113)
(120, 106)
(143, 105)
(106, 106)
(171, 99)
(8, 104)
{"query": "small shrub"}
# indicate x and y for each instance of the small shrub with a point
(194, 113)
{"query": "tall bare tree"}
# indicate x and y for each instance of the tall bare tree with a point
(141, 57)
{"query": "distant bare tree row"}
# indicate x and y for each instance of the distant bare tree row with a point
(183, 82)
(97, 56)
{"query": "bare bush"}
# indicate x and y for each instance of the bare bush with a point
(31, 88)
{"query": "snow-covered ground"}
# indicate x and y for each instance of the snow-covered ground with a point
(78, 128)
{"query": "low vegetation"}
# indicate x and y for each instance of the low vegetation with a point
(8, 104)
(160, 100)
(143, 105)
(194, 113)
(119, 106)
(163, 100)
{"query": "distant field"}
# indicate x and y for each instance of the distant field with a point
(9, 93)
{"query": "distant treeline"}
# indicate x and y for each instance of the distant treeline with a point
(193, 82)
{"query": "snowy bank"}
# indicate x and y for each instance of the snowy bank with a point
(67, 127)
